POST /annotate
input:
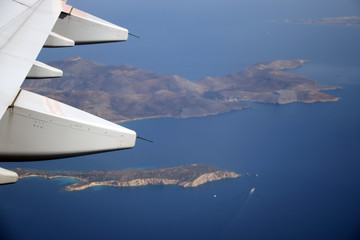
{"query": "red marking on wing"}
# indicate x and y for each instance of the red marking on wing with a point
(66, 8)
(79, 13)
(54, 107)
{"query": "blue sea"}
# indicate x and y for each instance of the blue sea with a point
(306, 155)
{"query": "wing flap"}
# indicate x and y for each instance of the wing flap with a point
(85, 28)
(41, 70)
(39, 128)
(56, 40)
(7, 176)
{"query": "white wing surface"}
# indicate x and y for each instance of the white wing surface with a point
(33, 127)
(25, 26)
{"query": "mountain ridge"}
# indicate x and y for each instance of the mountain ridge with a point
(121, 93)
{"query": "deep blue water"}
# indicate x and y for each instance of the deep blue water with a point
(196, 39)
(306, 155)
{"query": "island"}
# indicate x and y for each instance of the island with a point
(352, 21)
(123, 93)
(186, 176)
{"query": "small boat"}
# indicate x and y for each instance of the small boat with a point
(252, 191)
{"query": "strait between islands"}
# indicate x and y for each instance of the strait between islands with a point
(122, 93)
(187, 176)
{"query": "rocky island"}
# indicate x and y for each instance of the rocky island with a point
(122, 93)
(187, 176)
(352, 21)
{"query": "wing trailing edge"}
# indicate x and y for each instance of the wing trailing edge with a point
(41, 70)
(84, 28)
(39, 128)
(56, 40)
(7, 176)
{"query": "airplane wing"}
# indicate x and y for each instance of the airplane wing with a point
(34, 127)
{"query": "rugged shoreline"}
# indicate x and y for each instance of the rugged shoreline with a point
(187, 177)
(125, 93)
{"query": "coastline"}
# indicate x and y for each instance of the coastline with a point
(187, 177)
(122, 94)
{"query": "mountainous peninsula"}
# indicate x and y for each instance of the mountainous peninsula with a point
(187, 176)
(121, 93)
